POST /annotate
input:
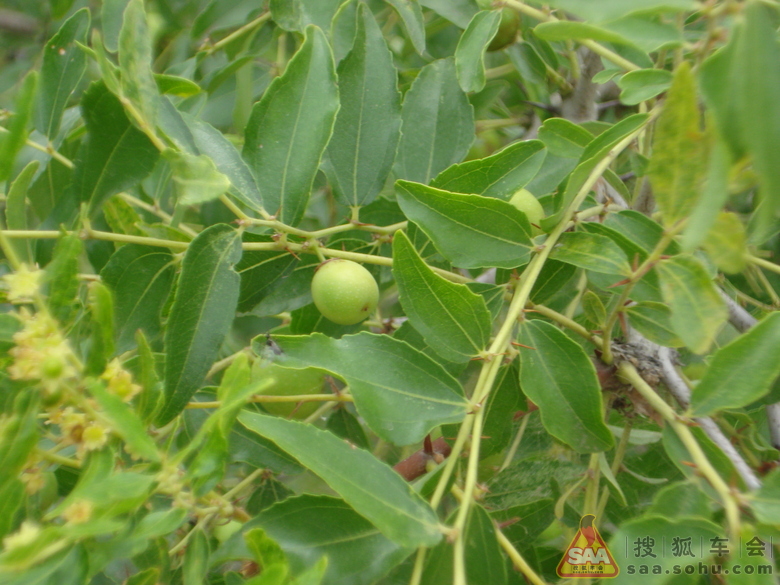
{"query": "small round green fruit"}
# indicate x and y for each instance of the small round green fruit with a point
(507, 30)
(289, 382)
(224, 531)
(344, 291)
(525, 201)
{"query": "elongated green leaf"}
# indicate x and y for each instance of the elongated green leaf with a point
(196, 559)
(591, 252)
(125, 423)
(63, 66)
(676, 168)
(308, 526)
(742, 371)
(606, 10)
(641, 85)
(564, 138)
(713, 196)
(411, 16)
(295, 15)
(135, 60)
(373, 489)
(116, 155)
(741, 84)
(141, 278)
(13, 141)
(16, 209)
(498, 175)
(561, 380)
(11, 497)
(175, 85)
(470, 52)
(438, 124)
(400, 392)
(498, 234)
(565, 30)
(654, 321)
(362, 149)
(726, 243)
(111, 21)
(62, 277)
(484, 563)
(195, 178)
(454, 321)
(228, 161)
(697, 309)
(290, 126)
(101, 342)
(201, 314)
(19, 435)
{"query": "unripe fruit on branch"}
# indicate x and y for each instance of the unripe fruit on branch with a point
(507, 28)
(344, 291)
(525, 201)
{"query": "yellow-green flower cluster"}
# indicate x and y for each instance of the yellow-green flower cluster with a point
(22, 285)
(41, 352)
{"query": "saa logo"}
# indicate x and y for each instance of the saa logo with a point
(587, 556)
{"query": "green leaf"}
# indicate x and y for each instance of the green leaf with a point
(290, 126)
(458, 12)
(712, 198)
(591, 252)
(135, 61)
(499, 175)
(564, 138)
(63, 66)
(726, 243)
(147, 577)
(202, 312)
(19, 435)
(141, 278)
(295, 15)
(16, 209)
(344, 424)
(261, 270)
(62, 278)
(470, 52)
(212, 143)
(561, 380)
(570, 30)
(310, 526)
(766, 502)
(196, 559)
(150, 398)
(497, 233)
(638, 86)
(483, 559)
(115, 156)
(372, 488)
(195, 178)
(160, 523)
(654, 321)
(175, 85)
(454, 321)
(13, 141)
(411, 15)
(593, 308)
(125, 423)
(698, 312)
(606, 10)
(401, 393)
(742, 371)
(677, 165)
(101, 346)
(362, 149)
(111, 20)
(438, 124)
(11, 497)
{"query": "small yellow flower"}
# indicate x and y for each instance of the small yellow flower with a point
(78, 512)
(119, 380)
(41, 353)
(94, 437)
(33, 480)
(23, 284)
(26, 534)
